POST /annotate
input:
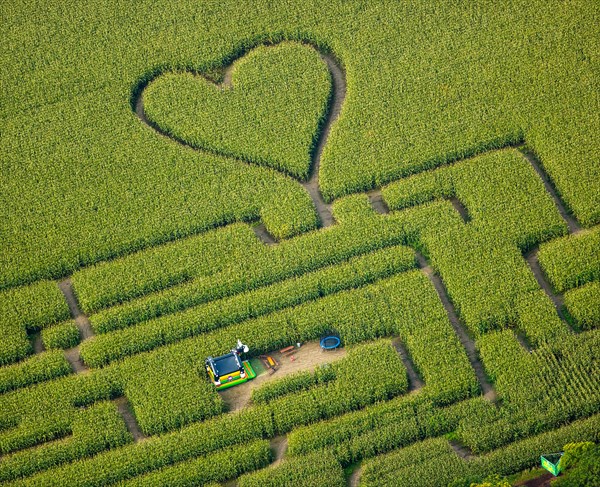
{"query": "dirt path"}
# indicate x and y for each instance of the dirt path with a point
(377, 202)
(338, 94)
(466, 341)
(461, 451)
(354, 478)
(130, 421)
(81, 320)
(531, 258)
(262, 233)
(572, 223)
(73, 357)
(38, 344)
(460, 208)
(541, 481)
(414, 381)
(307, 357)
(279, 446)
(522, 339)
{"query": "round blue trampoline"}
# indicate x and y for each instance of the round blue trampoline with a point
(330, 342)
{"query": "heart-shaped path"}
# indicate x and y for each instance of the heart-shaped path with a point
(333, 109)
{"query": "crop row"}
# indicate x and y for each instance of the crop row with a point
(280, 90)
(250, 265)
(501, 220)
(94, 429)
(572, 261)
(555, 383)
(353, 388)
(63, 335)
(493, 98)
(382, 427)
(165, 390)
(255, 421)
(37, 368)
(154, 269)
(510, 212)
(583, 305)
(320, 469)
(370, 373)
(434, 462)
(27, 308)
(538, 319)
(299, 381)
(180, 192)
(170, 328)
(504, 220)
(219, 466)
(501, 192)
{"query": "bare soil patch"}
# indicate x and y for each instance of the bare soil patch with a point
(279, 446)
(130, 421)
(72, 356)
(461, 450)
(307, 357)
(532, 261)
(354, 477)
(541, 481)
(378, 203)
(262, 233)
(38, 345)
(82, 322)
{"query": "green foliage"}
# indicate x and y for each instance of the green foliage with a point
(164, 398)
(158, 268)
(493, 480)
(501, 191)
(382, 427)
(292, 383)
(580, 465)
(253, 265)
(498, 79)
(359, 381)
(63, 335)
(415, 312)
(573, 452)
(352, 389)
(203, 318)
(94, 429)
(222, 465)
(153, 453)
(47, 411)
(270, 114)
(583, 305)
(572, 261)
(538, 389)
(427, 83)
(25, 309)
(510, 212)
(38, 368)
(538, 320)
(435, 461)
(320, 469)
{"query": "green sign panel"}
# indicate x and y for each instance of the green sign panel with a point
(552, 463)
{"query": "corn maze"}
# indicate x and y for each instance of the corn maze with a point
(421, 178)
